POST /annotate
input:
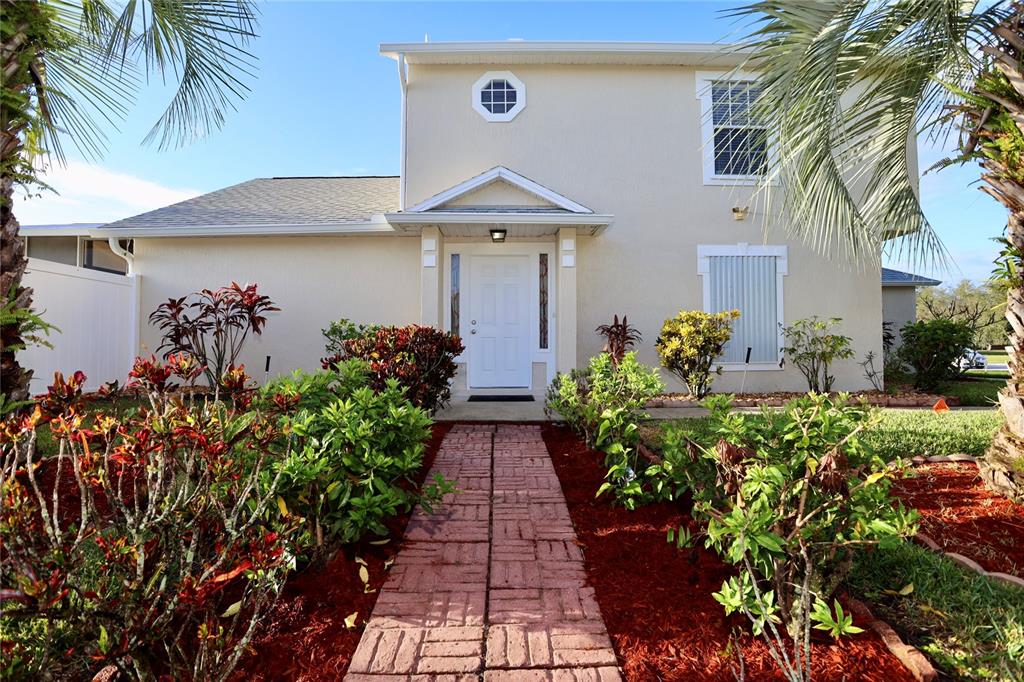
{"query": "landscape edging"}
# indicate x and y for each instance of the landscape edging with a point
(910, 656)
(960, 559)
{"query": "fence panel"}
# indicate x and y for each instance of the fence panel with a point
(98, 317)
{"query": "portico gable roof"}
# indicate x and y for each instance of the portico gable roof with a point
(556, 210)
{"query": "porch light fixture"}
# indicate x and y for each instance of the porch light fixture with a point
(740, 212)
(498, 236)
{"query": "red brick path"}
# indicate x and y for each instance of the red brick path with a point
(492, 584)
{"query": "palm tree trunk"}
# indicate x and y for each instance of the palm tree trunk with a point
(1002, 468)
(15, 58)
(1002, 122)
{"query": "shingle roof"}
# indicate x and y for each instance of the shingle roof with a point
(278, 201)
(892, 277)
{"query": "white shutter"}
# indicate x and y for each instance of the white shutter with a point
(747, 284)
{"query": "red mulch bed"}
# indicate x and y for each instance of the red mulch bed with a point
(304, 637)
(656, 600)
(963, 516)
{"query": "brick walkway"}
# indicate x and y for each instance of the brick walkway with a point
(492, 586)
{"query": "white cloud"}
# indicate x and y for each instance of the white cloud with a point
(93, 194)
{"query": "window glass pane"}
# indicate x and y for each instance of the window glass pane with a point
(543, 300)
(455, 294)
(498, 96)
(740, 151)
(747, 284)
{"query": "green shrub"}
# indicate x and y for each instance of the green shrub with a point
(970, 626)
(583, 396)
(906, 433)
(812, 349)
(421, 359)
(690, 342)
(342, 330)
(353, 456)
(932, 348)
(788, 497)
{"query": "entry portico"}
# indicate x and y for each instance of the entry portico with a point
(498, 262)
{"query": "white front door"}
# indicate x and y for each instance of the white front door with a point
(499, 322)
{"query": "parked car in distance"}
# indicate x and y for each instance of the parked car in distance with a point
(972, 359)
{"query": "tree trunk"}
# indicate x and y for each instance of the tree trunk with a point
(1002, 468)
(15, 57)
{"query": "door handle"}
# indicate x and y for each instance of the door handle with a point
(472, 331)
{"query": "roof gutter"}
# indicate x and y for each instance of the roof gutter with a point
(376, 225)
(127, 256)
(403, 81)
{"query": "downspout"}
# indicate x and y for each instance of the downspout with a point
(129, 258)
(404, 83)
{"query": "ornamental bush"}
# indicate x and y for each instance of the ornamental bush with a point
(583, 396)
(421, 359)
(212, 326)
(812, 348)
(788, 497)
(342, 330)
(932, 348)
(690, 342)
(141, 544)
(352, 457)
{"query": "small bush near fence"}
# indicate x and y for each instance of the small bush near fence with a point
(421, 359)
(212, 326)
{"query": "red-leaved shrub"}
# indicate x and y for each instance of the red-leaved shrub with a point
(141, 542)
(421, 359)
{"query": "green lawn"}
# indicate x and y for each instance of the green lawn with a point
(995, 356)
(901, 433)
(971, 627)
(974, 391)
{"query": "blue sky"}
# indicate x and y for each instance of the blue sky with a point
(323, 102)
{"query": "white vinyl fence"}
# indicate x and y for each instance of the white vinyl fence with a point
(98, 317)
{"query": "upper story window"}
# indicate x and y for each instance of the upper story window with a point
(735, 146)
(499, 96)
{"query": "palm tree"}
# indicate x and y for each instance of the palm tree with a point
(846, 85)
(71, 67)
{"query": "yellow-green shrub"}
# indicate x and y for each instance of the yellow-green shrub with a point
(690, 342)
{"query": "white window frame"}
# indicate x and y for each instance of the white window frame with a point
(781, 254)
(482, 82)
(707, 126)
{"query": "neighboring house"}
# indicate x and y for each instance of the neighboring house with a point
(899, 298)
(544, 188)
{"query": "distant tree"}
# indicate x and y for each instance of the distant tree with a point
(979, 306)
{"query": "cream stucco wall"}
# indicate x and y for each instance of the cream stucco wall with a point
(626, 140)
(312, 279)
(899, 306)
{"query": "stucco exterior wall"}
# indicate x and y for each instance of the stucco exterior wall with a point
(626, 140)
(899, 306)
(312, 279)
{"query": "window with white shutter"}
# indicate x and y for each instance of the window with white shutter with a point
(748, 279)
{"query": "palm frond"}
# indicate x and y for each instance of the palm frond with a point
(846, 88)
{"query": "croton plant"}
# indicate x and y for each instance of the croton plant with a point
(141, 543)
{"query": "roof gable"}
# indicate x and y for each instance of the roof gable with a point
(500, 184)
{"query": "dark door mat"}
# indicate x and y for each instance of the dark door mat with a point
(500, 399)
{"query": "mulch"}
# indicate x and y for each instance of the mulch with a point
(960, 514)
(305, 637)
(656, 600)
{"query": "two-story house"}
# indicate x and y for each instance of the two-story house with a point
(544, 187)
